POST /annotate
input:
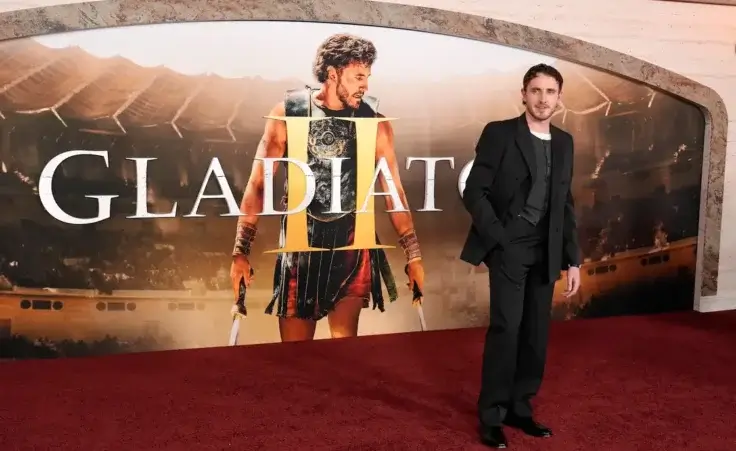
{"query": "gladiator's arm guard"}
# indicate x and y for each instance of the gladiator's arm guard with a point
(244, 237)
(410, 244)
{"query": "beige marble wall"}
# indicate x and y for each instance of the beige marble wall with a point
(695, 40)
(14, 5)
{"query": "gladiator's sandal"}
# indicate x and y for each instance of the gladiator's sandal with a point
(244, 236)
(410, 244)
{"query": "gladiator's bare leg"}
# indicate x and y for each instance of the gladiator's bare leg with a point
(296, 329)
(343, 320)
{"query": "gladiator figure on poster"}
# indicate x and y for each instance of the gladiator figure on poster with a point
(329, 282)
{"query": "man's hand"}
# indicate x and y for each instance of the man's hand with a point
(239, 311)
(415, 271)
(573, 281)
(240, 269)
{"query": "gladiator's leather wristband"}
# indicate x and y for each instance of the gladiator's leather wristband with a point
(410, 244)
(244, 236)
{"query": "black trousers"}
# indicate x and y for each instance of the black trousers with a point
(516, 340)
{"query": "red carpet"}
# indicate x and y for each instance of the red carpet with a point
(661, 382)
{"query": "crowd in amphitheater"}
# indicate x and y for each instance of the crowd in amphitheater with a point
(20, 347)
(619, 225)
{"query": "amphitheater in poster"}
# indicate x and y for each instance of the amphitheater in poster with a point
(182, 107)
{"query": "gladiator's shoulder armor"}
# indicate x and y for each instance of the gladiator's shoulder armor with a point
(368, 107)
(297, 102)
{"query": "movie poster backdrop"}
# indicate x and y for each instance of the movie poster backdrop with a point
(125, 152)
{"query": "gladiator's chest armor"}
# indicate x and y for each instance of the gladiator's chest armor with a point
(329, 138)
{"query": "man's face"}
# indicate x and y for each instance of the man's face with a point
(352, 84)
(541, 95)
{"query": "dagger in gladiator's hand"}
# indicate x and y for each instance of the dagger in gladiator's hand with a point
(417, 297)
(238, 311)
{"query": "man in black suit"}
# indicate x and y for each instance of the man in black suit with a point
(524, 229)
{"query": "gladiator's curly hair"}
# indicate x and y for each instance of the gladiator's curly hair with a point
(339, 51)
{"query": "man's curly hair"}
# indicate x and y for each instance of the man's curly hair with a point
(339, 51)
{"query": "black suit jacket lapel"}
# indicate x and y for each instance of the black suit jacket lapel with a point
(526, 146)
(560, 153)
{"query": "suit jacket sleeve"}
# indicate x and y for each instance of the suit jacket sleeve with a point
(488, 154)
(571, 245)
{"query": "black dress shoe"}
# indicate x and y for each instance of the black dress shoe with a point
(493, 436)
(528, 426)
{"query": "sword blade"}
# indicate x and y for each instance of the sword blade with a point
(234, 332)
(238, 310)
(422, 322)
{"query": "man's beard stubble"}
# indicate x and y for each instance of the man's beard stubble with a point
(347, 100)
(545, 114)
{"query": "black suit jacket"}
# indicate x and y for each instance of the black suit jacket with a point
(498, 186)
